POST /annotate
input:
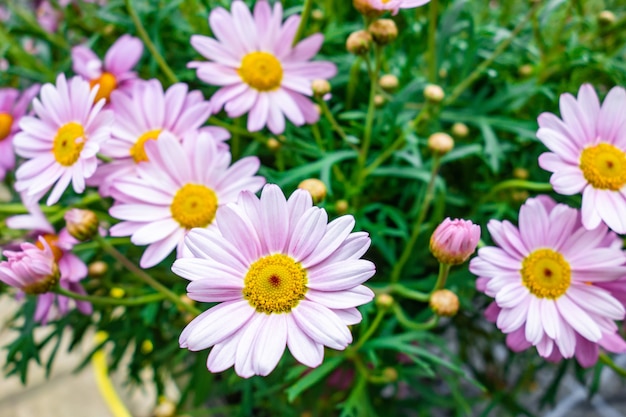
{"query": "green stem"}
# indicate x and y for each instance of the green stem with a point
(141, 274)
(386, 154)
(371, 108)
(444, 270)
(129, 302)
(605, 359)
(408, 249)
(409, 293)
(304, 18)
(515, 183)
(432, 40)
(141, 30)
(410, 324)
(467, 82)
(334, 124)
(370, 331)
(19, 208)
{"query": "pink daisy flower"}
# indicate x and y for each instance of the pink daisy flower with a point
(282, 275)
(258, 69)
(32, 270)
(115, 73)
(141, 117)
(391, 5)
(13, 107)
(61, 143)
(588, 154)
(546, 279)
(182, 186)
(71, 268)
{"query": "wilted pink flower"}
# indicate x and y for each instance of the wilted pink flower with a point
(453, 241)
(546, 279)
(32, 270)
(13, 107)
(181, 187)
(282, 275)
(61, 143)
(588, 154)
(71, 268)
(141, 117)
(115, 73)
(258, 69)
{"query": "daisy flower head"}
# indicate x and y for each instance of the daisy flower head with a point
(588, 154)
(13, 107)
(259, 71)
(282, 275)
(116, 70)
(369, 7)
(141, 117)
(71, 268)
(62, 139)
(182, 186)
(546, 277)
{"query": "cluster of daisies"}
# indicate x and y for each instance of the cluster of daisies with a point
(559, 279)
(282, 275)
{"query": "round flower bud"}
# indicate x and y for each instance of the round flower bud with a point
(384, 31)
(390, 374)
(379, 100)
(606, 17)
(117, 292)
(33, 270)
(440, 143)
(444, 303)
(434, 93)
(97, 269)
(521, 173)
(147, 346)
(525, 70)
(341, 206)
(388, 82)
(317, 14)
(320, 87)
(365, 8)
(359, 42)
(315, 187)
(453, 241)
(519, 196)
(81, 224)
(166, 408)
(273, 144)
(384, 300)
(460, 130)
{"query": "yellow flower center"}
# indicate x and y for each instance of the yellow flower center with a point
(107, 83)
(604, 166)
(275, 284)
(194, 205)
(68, 143)
(261, 71)
(6, 121)
(52, 241)
(546, 273)
(138, 151)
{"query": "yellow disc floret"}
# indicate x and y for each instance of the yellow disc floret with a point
(6, 122)
(546, 273)
(68, 143)
(261, 71)
(194, 205)
(275, 284)
(604, 166)
(107, 83)
(138, 151)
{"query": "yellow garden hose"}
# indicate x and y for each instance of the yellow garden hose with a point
(107, 390)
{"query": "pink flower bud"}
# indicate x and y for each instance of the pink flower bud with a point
(32, 270)
(454, 241)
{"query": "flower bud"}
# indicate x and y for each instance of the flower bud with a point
(521, 173)
(81, 224)
(32, 270)
(525, 70)
(365, 8)
(166, 408)
(317, 14)
(384, 300)
(315, 187)
(379, 100)
(117, 292)
(444, 303)
(147, 346)
(460, 130)
(388, 82)
(390, 374)
(359, 42)
(454, 241)
(97, 269)
(440, 143)
(341, 206)
(606, 17)
(320, 87)
(273, 144)
(383, 31)
(434, 93)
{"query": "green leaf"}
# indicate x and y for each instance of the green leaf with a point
(313, 377)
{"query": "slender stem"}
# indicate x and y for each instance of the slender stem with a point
(444, 270)
(432, 40)
(467, 82)
(371, 108)
(141, 274)
(386, 154)
(410, 324)
(370, 331)
(149, 44)
(304, 18)
(409, 293)
(146, 299)
(333, 123)
(605, 359)
(408, 249)
(318, 136)
(515, 183)
(19, 208)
